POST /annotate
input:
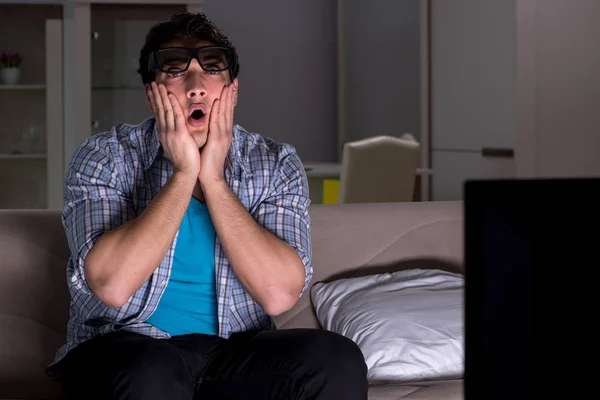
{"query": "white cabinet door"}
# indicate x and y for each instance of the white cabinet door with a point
(473, 84)
(453, 168)
(473, 92)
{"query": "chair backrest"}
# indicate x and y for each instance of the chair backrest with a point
(408, 136)
(378, 169)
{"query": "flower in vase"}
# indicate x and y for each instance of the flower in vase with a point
(10, 59)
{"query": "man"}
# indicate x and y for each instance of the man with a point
(187, 235)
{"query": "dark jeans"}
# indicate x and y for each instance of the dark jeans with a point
(274, 364)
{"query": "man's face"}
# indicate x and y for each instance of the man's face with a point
(195, 89)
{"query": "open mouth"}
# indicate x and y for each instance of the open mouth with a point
(197, 114)
(197, 118)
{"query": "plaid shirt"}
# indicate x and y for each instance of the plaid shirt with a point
(112, 178)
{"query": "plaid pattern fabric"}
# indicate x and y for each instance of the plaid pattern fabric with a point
(112, 178)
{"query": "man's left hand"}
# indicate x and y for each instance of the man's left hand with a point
(220, 134)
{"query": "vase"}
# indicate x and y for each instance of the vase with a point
(10, 76)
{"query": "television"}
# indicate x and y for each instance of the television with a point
(532, 250)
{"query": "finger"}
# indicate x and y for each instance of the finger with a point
(214, 112)
(234, 94)
(227, 108)
(223, 106)
(169, 120)
(225, 98)
(178, 116)
(230, 103)
(150, 98)
(158, 106)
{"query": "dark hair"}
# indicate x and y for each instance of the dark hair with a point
(184, 25)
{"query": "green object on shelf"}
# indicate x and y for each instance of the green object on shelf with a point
(317, 191)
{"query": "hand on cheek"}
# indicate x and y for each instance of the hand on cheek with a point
(220, 135)
(177, 142)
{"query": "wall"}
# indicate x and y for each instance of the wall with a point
(382, 68)
(559, 88)
(287, 77)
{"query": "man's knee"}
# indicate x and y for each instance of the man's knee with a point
(334, 367)
(334, 352)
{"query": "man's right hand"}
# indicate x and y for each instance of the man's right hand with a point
(178, 144)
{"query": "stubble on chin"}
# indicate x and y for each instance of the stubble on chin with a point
(200, 138)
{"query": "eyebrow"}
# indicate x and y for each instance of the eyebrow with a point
(174, 59)
(212, 57)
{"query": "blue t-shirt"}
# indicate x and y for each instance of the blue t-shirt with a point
(189, 303)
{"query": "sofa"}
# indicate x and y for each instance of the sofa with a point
(349, 240)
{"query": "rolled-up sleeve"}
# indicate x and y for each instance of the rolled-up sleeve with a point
(94, 202)
(285, 211)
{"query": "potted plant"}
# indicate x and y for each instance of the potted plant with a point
(10, 63)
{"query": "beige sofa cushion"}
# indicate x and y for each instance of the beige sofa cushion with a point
(34, 301)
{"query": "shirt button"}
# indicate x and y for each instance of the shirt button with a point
(153, 330)
(163, 283)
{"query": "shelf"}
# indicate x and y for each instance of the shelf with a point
(22, 156)
(330, 170)
(22, 87)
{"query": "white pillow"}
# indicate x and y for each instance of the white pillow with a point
(408, 324)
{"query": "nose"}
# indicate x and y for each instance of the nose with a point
(195, 87)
